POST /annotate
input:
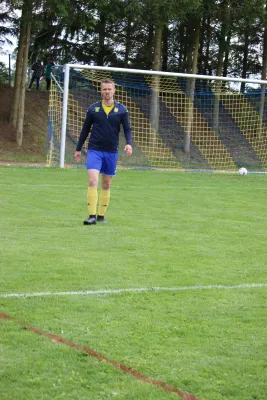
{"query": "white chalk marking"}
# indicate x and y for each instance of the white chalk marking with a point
(134, 290)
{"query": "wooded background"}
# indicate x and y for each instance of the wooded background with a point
(209, 37)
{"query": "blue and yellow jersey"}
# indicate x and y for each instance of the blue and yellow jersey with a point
(105, 127)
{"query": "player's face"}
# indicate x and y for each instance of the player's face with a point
(107, 91)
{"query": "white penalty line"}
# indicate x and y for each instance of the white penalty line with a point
(135, 290)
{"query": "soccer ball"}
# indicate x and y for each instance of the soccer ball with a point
(243, 171)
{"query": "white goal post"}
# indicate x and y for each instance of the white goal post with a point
(179, 121)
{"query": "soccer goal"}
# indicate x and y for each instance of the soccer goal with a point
(179, 121)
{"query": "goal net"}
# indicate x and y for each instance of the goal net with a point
(178, 121)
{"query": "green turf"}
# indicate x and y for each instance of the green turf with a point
(165, 229)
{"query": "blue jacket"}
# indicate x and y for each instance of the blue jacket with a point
(105, 128)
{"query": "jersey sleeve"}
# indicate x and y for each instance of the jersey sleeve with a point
(85, 130)
(126, 127)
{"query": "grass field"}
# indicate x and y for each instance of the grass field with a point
(198, 239)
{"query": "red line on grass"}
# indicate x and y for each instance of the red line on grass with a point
(92, 353)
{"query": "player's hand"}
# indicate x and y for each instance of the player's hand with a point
(128, 149)
(77, 156)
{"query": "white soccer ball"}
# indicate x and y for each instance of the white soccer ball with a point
(243, 171)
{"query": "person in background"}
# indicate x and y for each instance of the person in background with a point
(48, 70)
(105, 117)
(38, 72)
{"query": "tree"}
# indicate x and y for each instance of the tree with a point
(224, 12)
(30, 15)
(264, 63)
(163, 12)
(192, 59)
(18, 101)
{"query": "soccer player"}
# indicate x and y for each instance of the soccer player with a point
(105, 117)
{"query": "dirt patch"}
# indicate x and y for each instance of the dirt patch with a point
(35, 127)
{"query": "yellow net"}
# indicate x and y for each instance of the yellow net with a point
(176, 122)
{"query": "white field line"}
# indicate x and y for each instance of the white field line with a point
(134, 290)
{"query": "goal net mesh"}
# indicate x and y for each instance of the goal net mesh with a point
(177, 122)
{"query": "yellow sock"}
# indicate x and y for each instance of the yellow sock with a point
(92, 200)
(103, 201)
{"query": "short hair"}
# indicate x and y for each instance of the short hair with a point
(107, 81)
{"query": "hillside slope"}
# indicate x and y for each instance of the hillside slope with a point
(35, 127)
